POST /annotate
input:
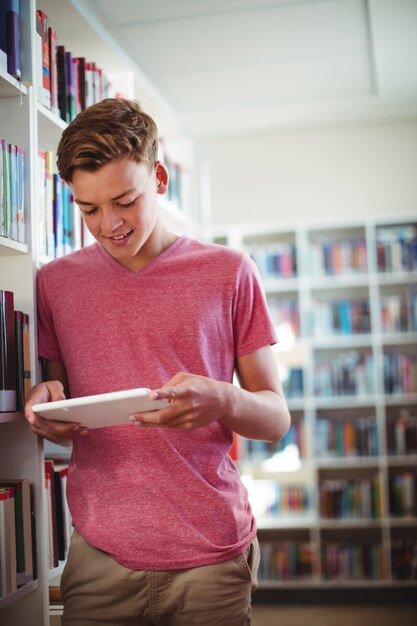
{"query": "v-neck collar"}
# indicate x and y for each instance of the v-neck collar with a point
(121, 269)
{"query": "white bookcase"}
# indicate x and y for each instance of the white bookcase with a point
(354, 457)
(28, 124)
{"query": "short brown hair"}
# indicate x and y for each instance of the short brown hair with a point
(112, 129)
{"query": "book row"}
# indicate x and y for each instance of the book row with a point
(342, 562)
(15, 376)
(12, 191)
(346, 373)
(350, 561)
(400, 373)
(286, 560)
(404, 559)
(276, 260)
(269, 499)
(396, 251)
(402, 433)
(17, 535)
(397, 248)
(60, 228)
(353, 498)
(344, 317)
(66, 84)
(402, 488)
(398, 312)
(59, 517)
(346, 438)
(336, 258)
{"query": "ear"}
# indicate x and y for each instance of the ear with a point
(162, 177)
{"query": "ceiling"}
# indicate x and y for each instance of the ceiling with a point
(240, 66)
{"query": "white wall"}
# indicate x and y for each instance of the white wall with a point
(333, 172)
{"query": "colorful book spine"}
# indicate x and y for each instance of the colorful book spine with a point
(400, 373)
(402, 433)
(52, 45)
(397, 248)
(346, 374)
(337, 258)
(346, 438)
(351, 498)
(286, 561)
(353, 561)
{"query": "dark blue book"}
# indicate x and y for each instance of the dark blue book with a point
(13, 38)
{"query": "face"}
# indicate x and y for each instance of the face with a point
(119, 206)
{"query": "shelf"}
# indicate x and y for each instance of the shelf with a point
(7, 418)
(342, 341)
(17, 595)
(10, 87)
(51, 116)
(319, 356)
(10, 247)
(292, 522)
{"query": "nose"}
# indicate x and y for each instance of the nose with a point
(110, 221)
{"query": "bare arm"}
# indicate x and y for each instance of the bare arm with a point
(55, 388)
(257, 410)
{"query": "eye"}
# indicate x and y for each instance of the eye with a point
(90, 212)
(127, 205)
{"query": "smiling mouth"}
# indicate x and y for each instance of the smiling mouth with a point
(119, 237)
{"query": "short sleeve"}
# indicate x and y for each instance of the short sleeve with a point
(252, 323)
(48, 347)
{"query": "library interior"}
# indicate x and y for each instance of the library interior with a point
(289, 133)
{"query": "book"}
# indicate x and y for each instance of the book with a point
(49, 203)
(13, 38)
(58, 216)
(52, 531)
(4, 190)
(20, 376)
(53, 38)
(41, 201)
(13, 191)
(20, 200)
(27, 383)
(82, 82)
(62, 83)
(7, 353)
(3, 38)
(46, 70)
(38, 56)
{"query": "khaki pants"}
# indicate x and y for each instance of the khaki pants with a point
(97, 590)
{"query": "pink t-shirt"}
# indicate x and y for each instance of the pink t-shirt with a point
(154, 498)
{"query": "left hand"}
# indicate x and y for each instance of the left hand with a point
(195, 401)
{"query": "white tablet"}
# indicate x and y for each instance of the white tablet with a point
(106, 409)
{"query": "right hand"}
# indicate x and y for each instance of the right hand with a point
(61, 433)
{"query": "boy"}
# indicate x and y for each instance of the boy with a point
(163, 533)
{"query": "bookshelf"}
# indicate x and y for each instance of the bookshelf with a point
(336, 500)
(29, 124)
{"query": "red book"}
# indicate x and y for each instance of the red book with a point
(46, 69)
